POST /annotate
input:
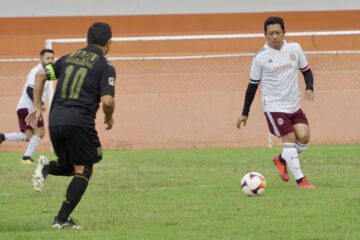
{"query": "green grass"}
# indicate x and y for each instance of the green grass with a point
(190, 194)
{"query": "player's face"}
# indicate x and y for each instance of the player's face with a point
(275, 36)
(47, 58)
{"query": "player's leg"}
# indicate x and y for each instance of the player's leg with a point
(21, 135)
(58, 167)
(29, 133)
(280, 124)
(302, 133)
(290, 155)
(34, 142)
(274, 120)
(302, 130)
(14, 137)
(74, 193)
(84, 149)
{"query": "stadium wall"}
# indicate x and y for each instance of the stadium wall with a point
(42, 8)
(24, 37)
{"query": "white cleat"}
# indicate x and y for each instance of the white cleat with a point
(38, 178)
(69, 223)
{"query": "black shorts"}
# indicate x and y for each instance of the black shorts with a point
(76, 145)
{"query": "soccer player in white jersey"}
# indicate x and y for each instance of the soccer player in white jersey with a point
(25, 105)
(276, 67)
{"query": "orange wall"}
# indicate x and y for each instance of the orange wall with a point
(193, 103)
(23, 37)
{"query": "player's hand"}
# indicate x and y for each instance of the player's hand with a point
(109, 123)
(33, 117)
(242, 121)
(309, 95)
(43, 108)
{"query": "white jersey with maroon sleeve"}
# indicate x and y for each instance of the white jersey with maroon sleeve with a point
(277, 70)
(25, 101)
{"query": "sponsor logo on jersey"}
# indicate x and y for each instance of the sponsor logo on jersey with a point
(283, 67)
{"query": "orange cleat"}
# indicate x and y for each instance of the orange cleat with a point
(305, 184)
(283, 173)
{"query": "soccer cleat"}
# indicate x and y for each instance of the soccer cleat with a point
(27, 160)
(69, 223)
(305, 184)
(282, 171)
(38, 179)
(2, 138)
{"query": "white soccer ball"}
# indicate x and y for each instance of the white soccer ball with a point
(253, 184)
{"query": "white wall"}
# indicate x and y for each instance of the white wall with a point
(25, 8)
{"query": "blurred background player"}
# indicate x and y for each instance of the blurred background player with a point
(85, 78)
(25, 105)
(276, 66)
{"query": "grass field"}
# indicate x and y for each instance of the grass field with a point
(190, 194)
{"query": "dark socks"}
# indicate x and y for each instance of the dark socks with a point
(74, 193)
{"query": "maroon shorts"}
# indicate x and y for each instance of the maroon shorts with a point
(280, 123)
(22, 114)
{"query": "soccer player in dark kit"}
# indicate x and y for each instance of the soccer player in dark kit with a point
(85, 79)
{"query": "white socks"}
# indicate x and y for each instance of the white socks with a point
(300, 147)
(32, 146)
(15, 137)
(290, 155)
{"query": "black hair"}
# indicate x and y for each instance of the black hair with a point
(274, 20)
(46, 50)
(99, 33)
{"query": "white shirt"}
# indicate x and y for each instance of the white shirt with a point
(25, 101)
(277, 70)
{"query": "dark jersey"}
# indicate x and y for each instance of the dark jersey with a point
(83, 77)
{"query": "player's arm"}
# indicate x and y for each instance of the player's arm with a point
(309, 83)
(35, 114)
(307, 73)
(249, 98)
(107, 92)
(255, 78)
(47, 73)
(108, 106)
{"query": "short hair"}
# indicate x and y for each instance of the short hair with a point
(46, 50)
(274, 20)
(99, 33)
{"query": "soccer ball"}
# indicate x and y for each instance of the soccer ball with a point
(253, 184)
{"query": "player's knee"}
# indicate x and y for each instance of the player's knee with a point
(28, 136)
(40, 135)
(40, 132)
(303, 139)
